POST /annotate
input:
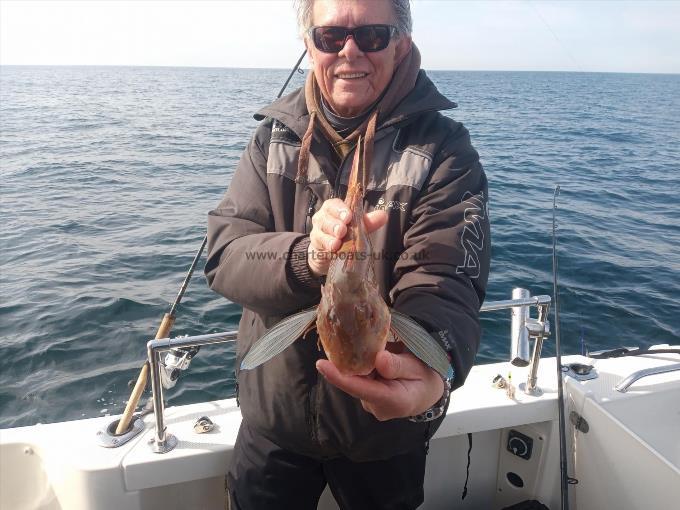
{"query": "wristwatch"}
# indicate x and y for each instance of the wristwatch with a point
(437, 409)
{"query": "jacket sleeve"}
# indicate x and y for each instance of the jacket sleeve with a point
(442, 275)
(248, 262)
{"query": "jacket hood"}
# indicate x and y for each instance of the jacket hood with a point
(291, 110)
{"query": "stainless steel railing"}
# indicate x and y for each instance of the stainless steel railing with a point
(636, 376)
(162, 441)
(523, 328)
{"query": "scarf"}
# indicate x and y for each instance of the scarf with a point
(403, 81)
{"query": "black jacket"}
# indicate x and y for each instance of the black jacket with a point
(433, 264)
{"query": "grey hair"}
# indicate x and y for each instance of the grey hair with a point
(402, 11)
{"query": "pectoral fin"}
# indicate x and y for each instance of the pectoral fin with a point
(278, 338)
(421, 344)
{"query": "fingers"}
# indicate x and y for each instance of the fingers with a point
(330, 227)
(322, 242)
(330, 223)
(336, 208)
(400, 366)
(361, 387)
(332, 215)
(374, 220)
(388, 398)
(408, 369)
(424, 384)
(383, 399)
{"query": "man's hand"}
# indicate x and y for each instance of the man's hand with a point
(400, 386)
(329, 227)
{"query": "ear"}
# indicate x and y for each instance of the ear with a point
(403, 47)
(308, 46)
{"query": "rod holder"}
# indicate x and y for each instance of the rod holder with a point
(163, 441)
(524, 328)
(108, 438)
(519, 334)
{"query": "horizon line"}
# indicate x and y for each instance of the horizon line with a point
(307, 69)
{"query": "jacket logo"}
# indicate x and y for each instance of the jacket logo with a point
(390, 205)
(281, 133)
(472, 237)
(444, 337)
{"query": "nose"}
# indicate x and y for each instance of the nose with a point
(350, 51)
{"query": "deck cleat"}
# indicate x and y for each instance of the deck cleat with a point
(203, 425)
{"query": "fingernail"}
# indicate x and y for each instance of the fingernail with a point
(336, 228)
(343, 214)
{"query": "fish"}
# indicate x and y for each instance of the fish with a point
(352, 320)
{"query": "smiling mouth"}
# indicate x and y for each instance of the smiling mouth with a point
(351, 76)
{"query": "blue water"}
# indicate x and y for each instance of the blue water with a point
(108, 172)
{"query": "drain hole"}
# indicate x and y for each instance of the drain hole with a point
(515, 479)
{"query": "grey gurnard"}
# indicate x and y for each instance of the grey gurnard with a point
(352, 320)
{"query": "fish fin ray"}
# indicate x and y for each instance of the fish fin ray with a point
(421, 344)
(278, 338)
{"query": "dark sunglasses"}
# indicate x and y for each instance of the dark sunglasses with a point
(369, 38)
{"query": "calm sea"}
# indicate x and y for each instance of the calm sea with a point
(108, 172)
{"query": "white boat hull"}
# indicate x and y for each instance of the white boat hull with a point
(628, 459)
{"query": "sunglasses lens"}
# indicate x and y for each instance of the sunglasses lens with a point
(368, 37)
(372, 37)
(330, 39)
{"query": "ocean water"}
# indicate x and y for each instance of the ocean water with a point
(108, 172)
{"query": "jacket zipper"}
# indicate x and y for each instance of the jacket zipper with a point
(311, 209)
(312, 421)
(338, 177)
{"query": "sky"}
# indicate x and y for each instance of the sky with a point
(603, 36)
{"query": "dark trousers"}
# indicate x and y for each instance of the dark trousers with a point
(263, 476)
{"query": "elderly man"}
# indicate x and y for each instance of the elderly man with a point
(305, 424)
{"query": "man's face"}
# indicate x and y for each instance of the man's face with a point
(352, 80)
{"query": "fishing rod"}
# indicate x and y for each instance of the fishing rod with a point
(163, 332)
(565, 479)
(176, 360)
(296, 67)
